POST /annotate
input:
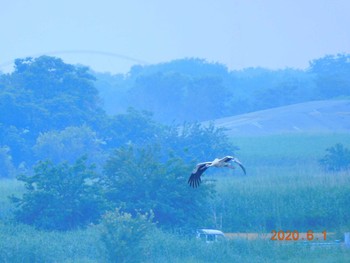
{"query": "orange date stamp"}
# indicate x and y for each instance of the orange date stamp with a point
(295, 235)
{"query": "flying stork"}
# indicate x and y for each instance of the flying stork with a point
(195, 178)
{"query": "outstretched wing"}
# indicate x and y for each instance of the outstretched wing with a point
(240, 164)
(195, 178)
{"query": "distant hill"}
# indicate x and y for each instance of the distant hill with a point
(327, 116)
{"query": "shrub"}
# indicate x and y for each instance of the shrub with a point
(124, 236)
(336, 159)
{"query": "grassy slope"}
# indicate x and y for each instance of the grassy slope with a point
(315, 116)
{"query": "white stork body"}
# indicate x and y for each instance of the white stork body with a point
(195, 178)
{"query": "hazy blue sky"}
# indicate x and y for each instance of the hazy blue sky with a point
(237, 33)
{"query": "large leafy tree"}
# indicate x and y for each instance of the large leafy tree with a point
(141, 179)
(45, 93)
(60, 197)
(136, 127)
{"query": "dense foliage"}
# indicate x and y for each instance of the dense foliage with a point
(45, 93)
(41, 95)
(125, 236)
(136, 180)
(69, 144)
(337, 158)
(60, 197)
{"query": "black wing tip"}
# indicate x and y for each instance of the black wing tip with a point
(194, 180)
(194, 184)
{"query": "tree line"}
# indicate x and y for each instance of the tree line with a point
(196, 90)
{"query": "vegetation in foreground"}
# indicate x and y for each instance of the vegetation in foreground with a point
(273, 198)
(22, 243)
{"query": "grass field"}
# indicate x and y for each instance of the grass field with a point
(288, 149)
(284, 189)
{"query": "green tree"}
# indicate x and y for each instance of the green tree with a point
(337, 158)
(69, 144)
(45, 93)
(60, 197)
(142, 179)
(124, 236)
(136, 127)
